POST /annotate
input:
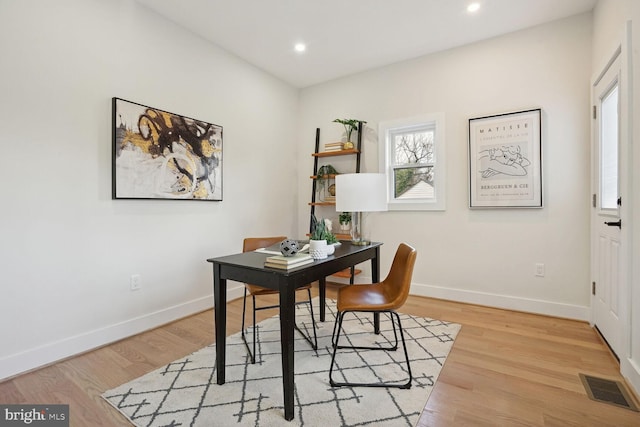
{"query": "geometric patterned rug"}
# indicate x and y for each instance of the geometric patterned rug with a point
(185, 393)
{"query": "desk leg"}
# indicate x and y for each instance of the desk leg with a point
(322, 286)
(287, 319)
(220, 308)
(375, 276)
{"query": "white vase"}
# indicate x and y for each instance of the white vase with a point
(318, 249)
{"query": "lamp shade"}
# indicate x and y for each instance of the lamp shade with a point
(361, 192)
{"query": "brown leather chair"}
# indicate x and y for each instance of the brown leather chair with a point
(383, 297)
(251, 244)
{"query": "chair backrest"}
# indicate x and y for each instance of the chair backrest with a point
(253, 243)
(398, 281)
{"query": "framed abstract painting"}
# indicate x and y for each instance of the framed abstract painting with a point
(162, 155)
(505, 160)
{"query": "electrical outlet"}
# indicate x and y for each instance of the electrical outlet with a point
(135, 282)
(539, 270)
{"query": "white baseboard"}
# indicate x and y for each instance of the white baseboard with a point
(49, 353)
(506, 302)
(52, 352)
(631, 371)
(528, 305)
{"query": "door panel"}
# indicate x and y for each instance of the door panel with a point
(606, 241)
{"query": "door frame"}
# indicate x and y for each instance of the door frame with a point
(622, 49)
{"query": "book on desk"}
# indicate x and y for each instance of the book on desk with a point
(288, 262)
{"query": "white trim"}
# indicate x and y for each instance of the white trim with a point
(438, 203)
(529, 305)
(55, 351)
(630, 367)
(631, 372)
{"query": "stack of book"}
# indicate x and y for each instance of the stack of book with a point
(288, 262)
(333, 146)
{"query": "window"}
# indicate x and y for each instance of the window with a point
(412, 156)
(609, 150)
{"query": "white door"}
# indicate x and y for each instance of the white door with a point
(609, 154)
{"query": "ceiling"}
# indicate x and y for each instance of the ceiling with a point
(344, 37)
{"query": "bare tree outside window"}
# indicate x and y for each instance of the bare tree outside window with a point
(414, 148)
(413, 163)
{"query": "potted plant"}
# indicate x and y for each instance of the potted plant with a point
(321, 239)
(322, 175)
(345, 221)
(349, 126)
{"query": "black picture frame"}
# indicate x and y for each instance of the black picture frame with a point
(162, 155)
(505, 160)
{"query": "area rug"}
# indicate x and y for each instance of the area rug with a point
(185, 393)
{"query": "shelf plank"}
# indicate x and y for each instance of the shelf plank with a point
(335, 153)
(322, 203)
(330, 176)
(347, 273)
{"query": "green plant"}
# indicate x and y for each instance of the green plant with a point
(344, 218)
(349, 125)
(319, 231)
(323, 174)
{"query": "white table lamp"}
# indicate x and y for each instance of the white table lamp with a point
(358, 193)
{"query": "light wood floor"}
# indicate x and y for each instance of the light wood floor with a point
(505, 369)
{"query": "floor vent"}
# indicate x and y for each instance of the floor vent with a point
(608, 391)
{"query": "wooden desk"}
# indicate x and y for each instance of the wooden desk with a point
(248, 267)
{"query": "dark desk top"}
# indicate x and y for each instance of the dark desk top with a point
(255, 260)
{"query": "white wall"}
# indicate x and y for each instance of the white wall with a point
(481, 256)
(66, 249)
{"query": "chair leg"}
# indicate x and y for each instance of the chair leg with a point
(337, 326)
(394, 347)
(252, 354)
(336, 332)
(242, 331)
(406, 353)
(253, 297)
(395, 333)
(314, 343)
(313, 321)
(334, 342)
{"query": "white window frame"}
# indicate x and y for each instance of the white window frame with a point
(386, 154)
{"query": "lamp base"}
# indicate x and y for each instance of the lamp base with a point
(357, 236)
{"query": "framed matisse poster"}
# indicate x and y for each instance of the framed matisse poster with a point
(162, 155)
(505, 160)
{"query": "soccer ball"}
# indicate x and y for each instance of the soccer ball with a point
(289, 247)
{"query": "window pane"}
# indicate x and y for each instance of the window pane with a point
(413, 183)
(609, 151)
(413, 147)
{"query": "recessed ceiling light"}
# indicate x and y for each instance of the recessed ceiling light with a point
(473, 7)
(300, 47)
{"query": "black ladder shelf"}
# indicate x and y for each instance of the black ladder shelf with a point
(321, 154)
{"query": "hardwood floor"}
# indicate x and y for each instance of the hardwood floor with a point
(505, 369)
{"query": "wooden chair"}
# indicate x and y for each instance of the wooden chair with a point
(251, 244)
(383, 297)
